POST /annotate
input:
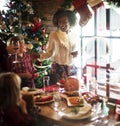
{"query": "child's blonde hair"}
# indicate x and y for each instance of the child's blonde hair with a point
(10, 84)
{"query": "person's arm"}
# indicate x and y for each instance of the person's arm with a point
(23, 106)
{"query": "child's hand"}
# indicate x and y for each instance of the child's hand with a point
(23, 106)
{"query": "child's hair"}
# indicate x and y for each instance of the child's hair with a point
(10, 84)
(15, 39)
(68, 13)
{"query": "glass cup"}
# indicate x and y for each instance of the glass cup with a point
(46, 80)
(16, 48)
(57, 99)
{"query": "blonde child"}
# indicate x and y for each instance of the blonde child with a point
(13, 110)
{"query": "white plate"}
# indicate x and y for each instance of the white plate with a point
(35, 91)
(59, 84)
(83, 113)
(74, 117)
(41, 67)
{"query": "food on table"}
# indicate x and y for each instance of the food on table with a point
(71, 84)
(32, 91)
(43, 98)
(92, 99)
(62, 81)
(76, 100)
(71, 93)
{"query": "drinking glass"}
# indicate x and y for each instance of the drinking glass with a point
(46, 80)
(16, 47)
(57, 99)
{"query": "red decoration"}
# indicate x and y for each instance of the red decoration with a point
(44, 30)
(83, 10)
(37, 24)
(43, 47)
(35, 75)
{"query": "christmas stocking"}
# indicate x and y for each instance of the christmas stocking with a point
(95, 4)
(83, 10)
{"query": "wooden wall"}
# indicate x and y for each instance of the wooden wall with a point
(46, 8)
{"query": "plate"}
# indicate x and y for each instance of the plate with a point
(41, 67)
(34, 91)
(39, 103)
(43, 99)
(73, 101)
(74, 117)
(82, 113)
(59, 84)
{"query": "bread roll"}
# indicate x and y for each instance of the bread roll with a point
(71, 84)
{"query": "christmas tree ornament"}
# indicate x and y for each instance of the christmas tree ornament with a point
(81, 7)
(36, 39)
(29, 46)
(37, 24)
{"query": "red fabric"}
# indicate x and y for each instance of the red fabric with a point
(25, 65)
(13, 116)
(51, 87)
(36, 26)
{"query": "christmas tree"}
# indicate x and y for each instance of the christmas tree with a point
(21, 19)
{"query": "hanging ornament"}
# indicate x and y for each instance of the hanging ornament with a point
(29, 46)
(36, 39)
(83, 10)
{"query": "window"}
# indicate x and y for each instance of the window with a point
(100, 40)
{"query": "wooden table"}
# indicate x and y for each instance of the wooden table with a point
(52, 118)
(49, 117)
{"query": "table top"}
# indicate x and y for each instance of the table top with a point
(50, 117)
(53, 118)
